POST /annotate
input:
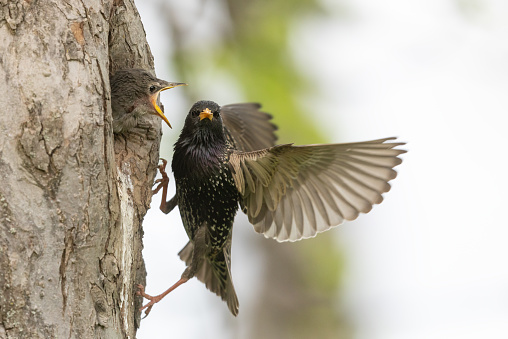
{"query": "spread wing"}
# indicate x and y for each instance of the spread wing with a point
(294, 192)
(248, 127)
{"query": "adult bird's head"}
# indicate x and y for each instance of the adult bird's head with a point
(138, 90)
(201, 142)
(204, 123)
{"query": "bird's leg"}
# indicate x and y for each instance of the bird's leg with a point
(166, 206)
(200, 249)
(162, 183)
(157, 298)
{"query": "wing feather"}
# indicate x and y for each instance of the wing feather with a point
(298, 211)
(294, 192)
(248, 128)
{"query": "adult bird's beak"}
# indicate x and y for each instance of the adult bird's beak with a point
(167, 85)
(206, 113)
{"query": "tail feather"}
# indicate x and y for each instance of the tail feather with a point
(216, 275)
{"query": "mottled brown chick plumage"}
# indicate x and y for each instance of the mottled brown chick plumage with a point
(134, 93)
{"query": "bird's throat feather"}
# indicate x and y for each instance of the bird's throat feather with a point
(198, 156)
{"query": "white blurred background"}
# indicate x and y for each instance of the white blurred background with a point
(431, 260)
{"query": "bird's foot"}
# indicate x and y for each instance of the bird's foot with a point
(165, 180)
(157, 298)
(153, 300)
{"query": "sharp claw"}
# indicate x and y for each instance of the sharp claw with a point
(147, 312)
(164, 163)
(164, 180)
(141, 292)
(162, 167)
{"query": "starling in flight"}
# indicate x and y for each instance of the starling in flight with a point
(225, 158)
(134, 92)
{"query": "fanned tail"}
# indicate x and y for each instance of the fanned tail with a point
(216, 275)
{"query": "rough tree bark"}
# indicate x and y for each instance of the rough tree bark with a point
(72, 198)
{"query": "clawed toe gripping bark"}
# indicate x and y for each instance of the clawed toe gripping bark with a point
(157, 298)
(161, 183)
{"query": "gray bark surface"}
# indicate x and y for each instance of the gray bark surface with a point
(72, 198)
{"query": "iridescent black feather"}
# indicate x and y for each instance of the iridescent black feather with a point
(206, 192)
(225, 157)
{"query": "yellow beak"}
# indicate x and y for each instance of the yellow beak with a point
(158, 109)
(206, 113)
(156, 95)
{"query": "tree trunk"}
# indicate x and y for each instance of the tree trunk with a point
(72, 197)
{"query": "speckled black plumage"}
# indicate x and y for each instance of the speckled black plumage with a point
(225, 158)
(205, 189)
(206, 193)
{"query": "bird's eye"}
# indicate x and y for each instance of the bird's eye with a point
(195, 113)
(152, 88)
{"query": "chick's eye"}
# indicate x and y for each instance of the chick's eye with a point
(152, 88)
(195, 113)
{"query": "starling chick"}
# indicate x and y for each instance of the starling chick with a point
(134, 92)
(288, 192)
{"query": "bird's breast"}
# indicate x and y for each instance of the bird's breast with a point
(212, 199)
(196, 161)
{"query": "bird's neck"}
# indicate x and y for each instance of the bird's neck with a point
(198, 155)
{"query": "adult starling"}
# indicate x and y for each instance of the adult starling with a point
(288, 192)
(134, 92)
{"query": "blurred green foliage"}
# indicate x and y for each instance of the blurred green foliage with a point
(256, 54)
(259, 54)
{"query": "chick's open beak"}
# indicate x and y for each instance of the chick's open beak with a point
(154, 97)
(206, 113)
(158, 109)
